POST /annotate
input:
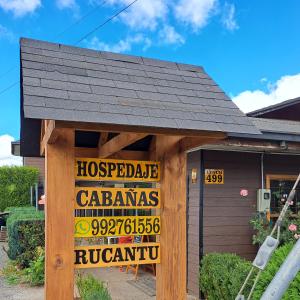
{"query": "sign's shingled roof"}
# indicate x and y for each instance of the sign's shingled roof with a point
(73, 84)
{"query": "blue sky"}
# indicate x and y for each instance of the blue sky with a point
(250, 48)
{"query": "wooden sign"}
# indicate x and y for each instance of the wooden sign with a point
(116, 198)
(116, 170)
(116, 226)
(116, 255)
(214, 176)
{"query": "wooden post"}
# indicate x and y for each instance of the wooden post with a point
(60, 185)
(171, 273)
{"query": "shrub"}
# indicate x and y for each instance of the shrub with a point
(222, 275)
(268, 274)
(23, 209)
(92, 289)
(263, 228)
(15, 183)
(25, 233)
(35, 273)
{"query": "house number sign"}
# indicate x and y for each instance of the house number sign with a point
(214, 176)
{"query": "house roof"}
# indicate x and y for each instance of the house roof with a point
(277, 126)
(273, 129)
(274, 108)
(73, 84)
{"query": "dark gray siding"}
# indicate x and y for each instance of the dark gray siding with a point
(193, 225)
(226, 214)
(282, 164)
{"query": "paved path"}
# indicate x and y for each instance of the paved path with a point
(16, 292)
(120, 284)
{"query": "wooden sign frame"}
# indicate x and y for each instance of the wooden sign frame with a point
(167, 146)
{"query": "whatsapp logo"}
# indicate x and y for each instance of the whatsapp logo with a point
(82, 227)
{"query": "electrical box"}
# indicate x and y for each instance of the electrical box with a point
(263, 200)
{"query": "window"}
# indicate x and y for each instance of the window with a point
(280, 186)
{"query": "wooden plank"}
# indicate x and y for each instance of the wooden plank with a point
(229, 211)
(59, 208)
(116, 255)
(116, 198)
(189, 143)
(85, 126)
(50, 136)
(118, 143)
(222, 221)
(123, 154)
(86, 152)
(238, 249)
(131, 155)
(103, 139)
(228, 240)
(116, 170)
(116, 226)
(171, 272)
(245, 230)
(254, 145)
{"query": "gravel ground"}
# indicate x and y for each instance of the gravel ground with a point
(16, 292)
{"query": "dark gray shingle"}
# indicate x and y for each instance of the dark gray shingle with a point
(68, 83)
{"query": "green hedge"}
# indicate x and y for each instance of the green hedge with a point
(15, 183)
(222, 275)
(26, 232)
(293, 292)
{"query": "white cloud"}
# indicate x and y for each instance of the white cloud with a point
(20, 7)
(195, 13)
(6, 158)
(122, 46)
(228, 18)
(144, 14)
(62, 4)
(287, 87)
(168, 35)
(6, 34)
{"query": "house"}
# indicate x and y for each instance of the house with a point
(74, 85)
(219, 214)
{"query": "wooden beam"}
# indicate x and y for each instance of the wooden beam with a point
(59, 208)
(189, 143)
(118, 143)
(123, 154)
(239, 144)
(171, 272)
(50, 136)
(131, 155)
(136, 129)
(103, 138)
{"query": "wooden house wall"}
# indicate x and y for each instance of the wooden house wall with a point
(193, 162)
(226, 213)
(282, 164)
(226, 225)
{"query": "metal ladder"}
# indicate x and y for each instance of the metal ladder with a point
(288, 269)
